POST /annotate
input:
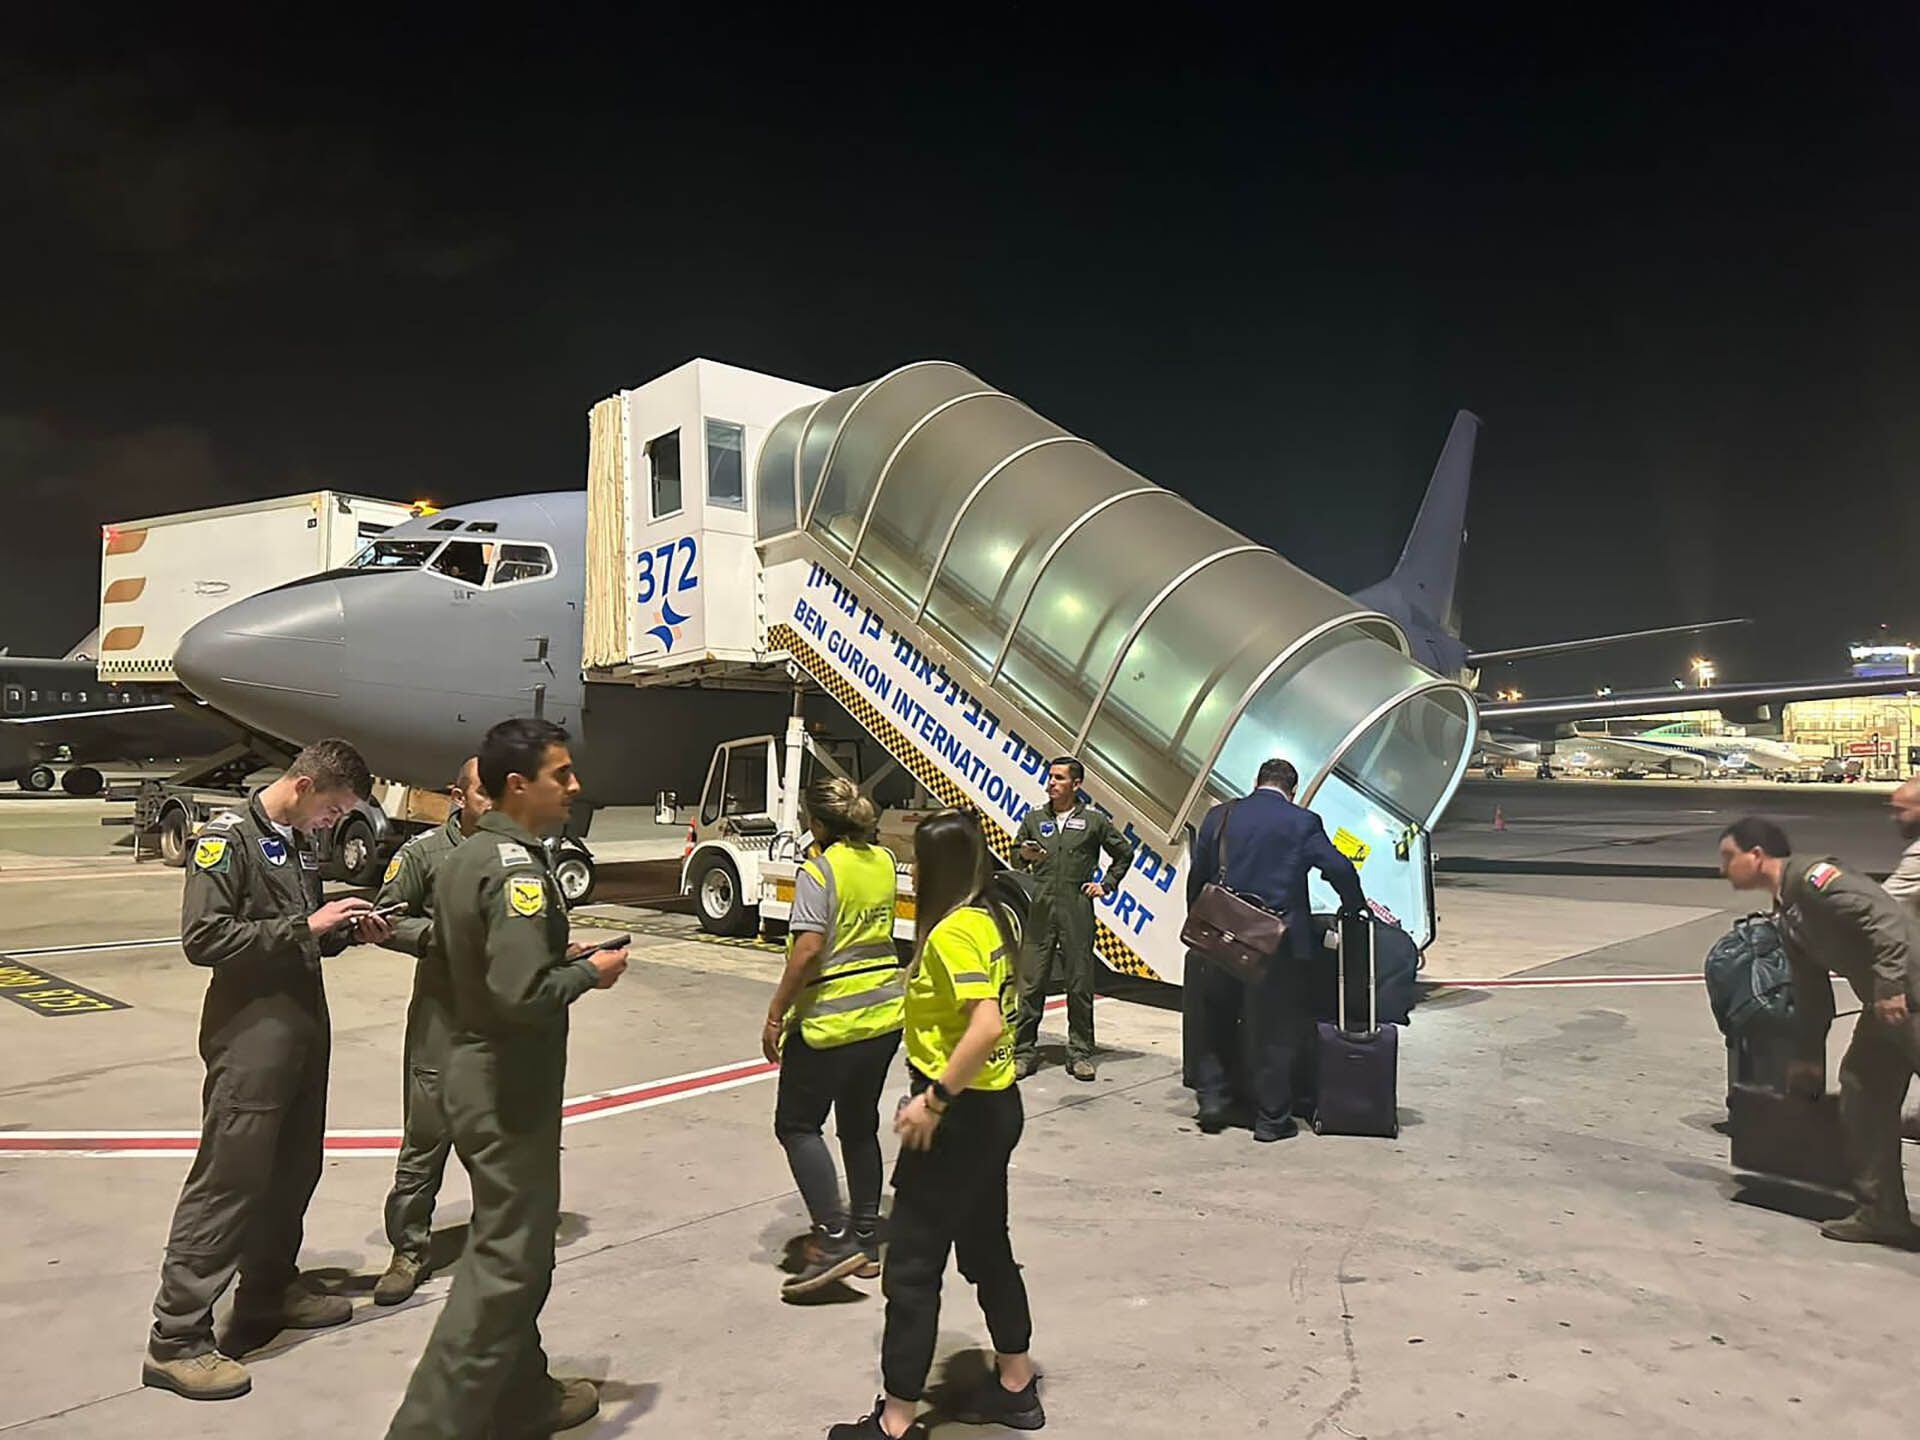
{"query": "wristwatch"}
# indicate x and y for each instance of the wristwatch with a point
(940, 1092)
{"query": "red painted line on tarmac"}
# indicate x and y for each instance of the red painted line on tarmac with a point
(148, 1144)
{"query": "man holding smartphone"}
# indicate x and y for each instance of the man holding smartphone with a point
(1060, 843)
(500, 927)
(254, 915)
(425, 1141)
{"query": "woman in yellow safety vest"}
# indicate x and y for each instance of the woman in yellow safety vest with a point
(833, 1028)
(957, 1134)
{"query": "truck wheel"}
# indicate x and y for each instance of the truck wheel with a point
(718, 900)
(173, 838)
(355, 854)
(39, 779)
(83, 780)
(574, 869)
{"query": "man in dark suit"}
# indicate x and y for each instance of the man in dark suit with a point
(1272, 844)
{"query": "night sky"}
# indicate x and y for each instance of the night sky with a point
(1672, 263)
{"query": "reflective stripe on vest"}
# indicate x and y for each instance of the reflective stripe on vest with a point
(859, 991)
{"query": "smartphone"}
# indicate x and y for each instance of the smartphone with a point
(615, 943)
(387, 912)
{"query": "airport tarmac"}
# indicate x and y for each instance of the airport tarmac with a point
(1554, 1244)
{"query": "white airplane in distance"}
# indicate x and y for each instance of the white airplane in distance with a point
(1678, 749)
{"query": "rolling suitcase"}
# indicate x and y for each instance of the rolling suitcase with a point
(1788, 1138)
(1359, 1058)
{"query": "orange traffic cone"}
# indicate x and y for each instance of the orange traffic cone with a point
(1499, 819)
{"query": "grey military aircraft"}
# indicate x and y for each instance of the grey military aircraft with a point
(443, 626)
(450, 622)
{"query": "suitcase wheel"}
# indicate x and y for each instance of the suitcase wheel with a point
(1318, 1127)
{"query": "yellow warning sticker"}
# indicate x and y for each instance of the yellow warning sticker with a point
(527, 895)
(209, 853)
(1351, 846)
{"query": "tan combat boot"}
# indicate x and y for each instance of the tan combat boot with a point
(211, 1376)
(404, 1276)
(570, 1403)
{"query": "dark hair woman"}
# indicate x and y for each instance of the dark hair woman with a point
(957, 1131)
(833, 1027)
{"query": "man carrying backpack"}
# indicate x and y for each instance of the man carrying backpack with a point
(1834, 920)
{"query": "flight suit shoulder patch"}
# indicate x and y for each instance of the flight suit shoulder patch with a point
(393, 870)
(1823, 875)
(526, 895)
(512, 852)
(211, 855)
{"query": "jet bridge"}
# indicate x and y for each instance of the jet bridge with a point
(982, 590)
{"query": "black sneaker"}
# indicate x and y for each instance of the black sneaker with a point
(825, 1258)
(1286, 1130)
(991, 1403)
(870, 1428)
(869, 1243)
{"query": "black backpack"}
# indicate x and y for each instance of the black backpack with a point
(1749, 981)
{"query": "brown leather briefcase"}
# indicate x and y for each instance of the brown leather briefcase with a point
(1228, 930)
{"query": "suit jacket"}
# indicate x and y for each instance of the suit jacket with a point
(1272, 845)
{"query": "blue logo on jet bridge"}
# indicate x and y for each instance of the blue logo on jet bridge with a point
(666, 570)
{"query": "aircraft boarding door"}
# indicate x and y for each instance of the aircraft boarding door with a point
(1389, 850)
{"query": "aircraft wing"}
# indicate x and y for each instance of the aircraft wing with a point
(1477, 658)
(1566, 709)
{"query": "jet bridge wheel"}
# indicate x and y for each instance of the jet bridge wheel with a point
(718, 899)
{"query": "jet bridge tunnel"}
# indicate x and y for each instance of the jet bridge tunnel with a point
(1120, 622)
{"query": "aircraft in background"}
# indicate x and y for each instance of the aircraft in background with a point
(1677, 749)
(58, 714)
(1422, 596)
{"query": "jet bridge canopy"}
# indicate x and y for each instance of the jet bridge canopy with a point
(1173, 653)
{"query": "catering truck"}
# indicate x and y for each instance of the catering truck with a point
(976, 591)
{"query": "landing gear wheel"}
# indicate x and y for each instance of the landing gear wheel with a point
(173, 839)
(574, 869)
(355, 853)
(718, 900)
(83, 780)
(39, 779)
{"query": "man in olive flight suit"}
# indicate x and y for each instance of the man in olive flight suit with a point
(253, 914)
(500, 923)
(1060, 843)
(1835, 920)
(425, 1141)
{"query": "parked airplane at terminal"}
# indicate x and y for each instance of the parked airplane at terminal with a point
(59, 714)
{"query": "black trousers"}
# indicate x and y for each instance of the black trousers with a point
(1212, 1004)
(846, 1079)
(262, 1138)
(953, 1197)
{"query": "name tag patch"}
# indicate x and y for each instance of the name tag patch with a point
(513, 853)
(275, 849)
(309, 861)
(526, 895)
(1079, 822)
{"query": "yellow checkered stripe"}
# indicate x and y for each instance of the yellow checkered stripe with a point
(1106, 944)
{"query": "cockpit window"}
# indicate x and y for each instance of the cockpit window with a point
(465, 560)
(395, 555)
(522, 562)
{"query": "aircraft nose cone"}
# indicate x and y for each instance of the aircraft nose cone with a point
(273, 661)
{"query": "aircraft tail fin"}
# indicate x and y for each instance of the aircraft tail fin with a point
(1429, 570)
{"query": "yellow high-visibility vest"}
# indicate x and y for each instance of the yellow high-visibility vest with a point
(859, 990)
